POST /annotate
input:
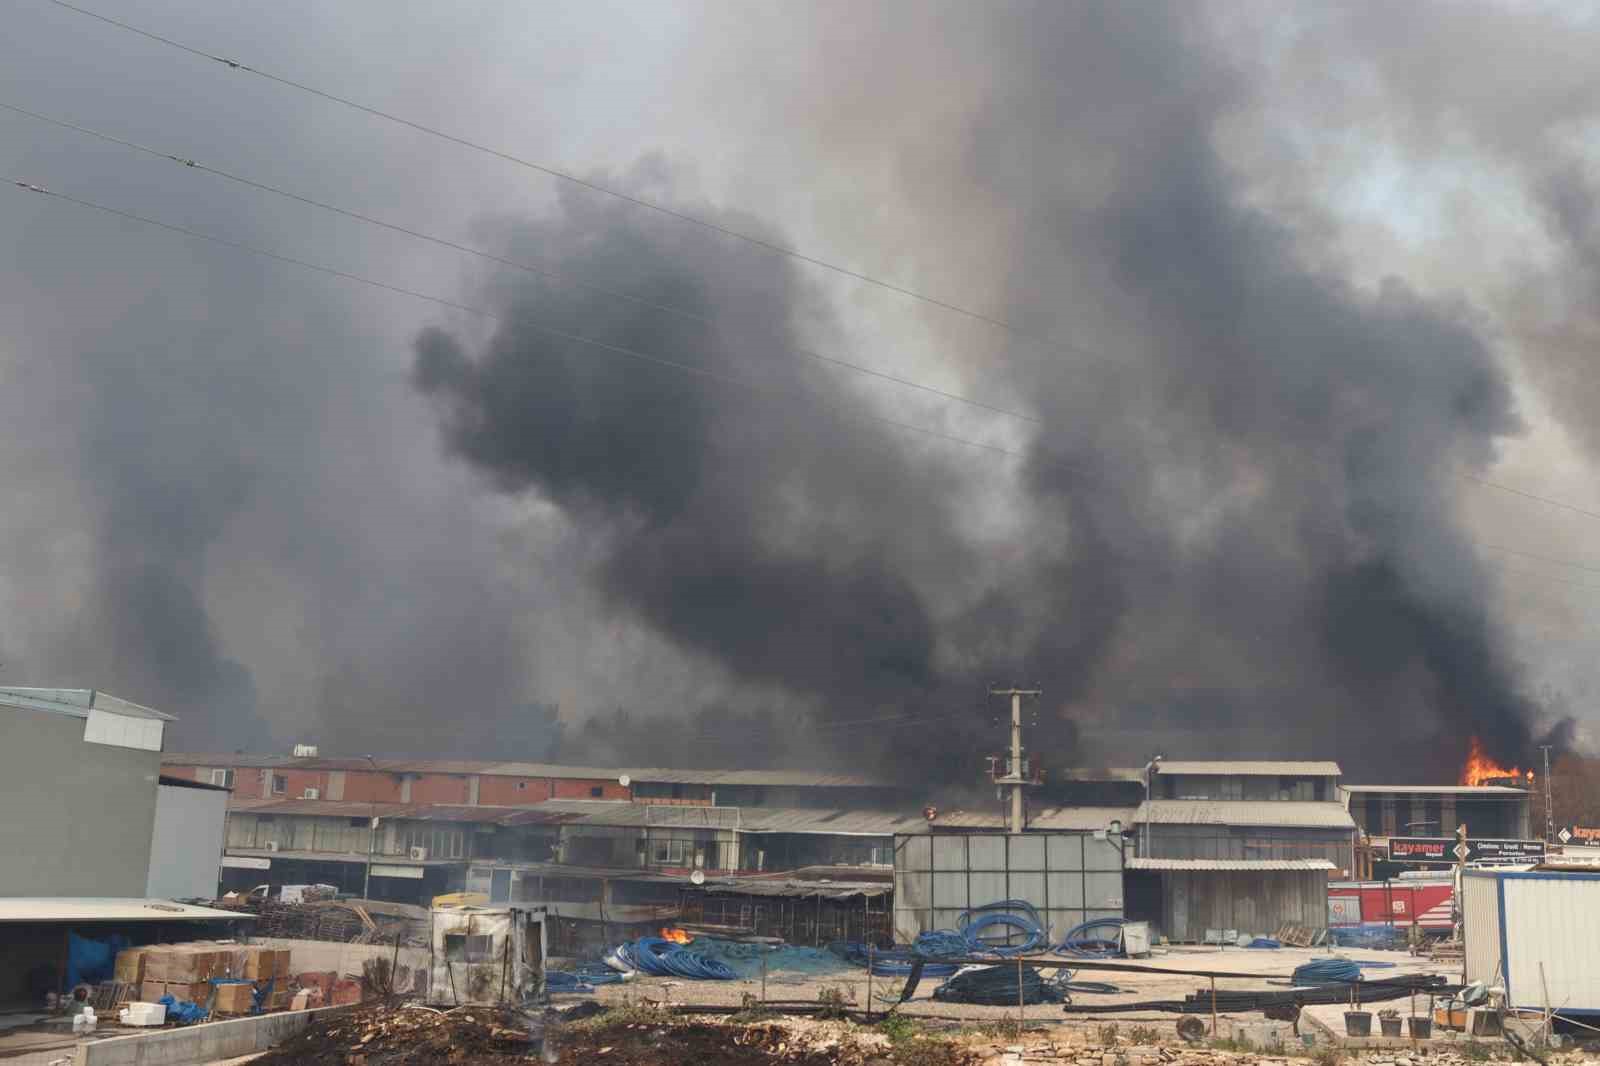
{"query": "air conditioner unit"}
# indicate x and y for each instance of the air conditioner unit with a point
(419, 854)
(272, 845)
(310, 794)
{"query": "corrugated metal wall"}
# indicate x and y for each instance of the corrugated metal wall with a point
(1250, 901)
(1067, 877)
(1480, 929)
(1551, 927)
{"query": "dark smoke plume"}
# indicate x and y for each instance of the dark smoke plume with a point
(1238, 528)
(1244, 507)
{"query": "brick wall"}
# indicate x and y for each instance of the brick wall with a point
(440, 788)
(497, 791)
(365, 786)
(567, 788)
(297, 781)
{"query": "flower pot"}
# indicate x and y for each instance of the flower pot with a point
(1421, 1028)
(1391, 1026)
(1357, 1023)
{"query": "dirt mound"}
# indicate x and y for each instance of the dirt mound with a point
(410, 1036)
(382, 1035)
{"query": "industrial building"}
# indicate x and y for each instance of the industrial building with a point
(89, 814)
(1194, 847)
(514, 784)
(1412, 827)
(422, 850)
(1238, 845)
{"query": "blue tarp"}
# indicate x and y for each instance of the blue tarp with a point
(91, 961)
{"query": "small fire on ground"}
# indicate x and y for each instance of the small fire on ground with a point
(1482, 770)
(677, 936)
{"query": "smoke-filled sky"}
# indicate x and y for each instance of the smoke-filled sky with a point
(1262, 295)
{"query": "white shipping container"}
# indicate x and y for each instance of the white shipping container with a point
(1537, 934)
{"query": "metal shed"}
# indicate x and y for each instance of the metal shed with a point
(486, 955)
(1534, 933)
(1067, 877)
(1248, 895)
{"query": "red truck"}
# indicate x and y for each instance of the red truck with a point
(1398, 903)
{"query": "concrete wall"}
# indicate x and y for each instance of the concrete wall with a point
(78, 817)
(196, 1044)
(343, 959)
(186, 846)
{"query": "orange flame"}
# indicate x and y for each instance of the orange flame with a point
(677, 936)
(1480, 769)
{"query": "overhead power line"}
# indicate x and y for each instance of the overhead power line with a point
(193, 164)
(615, 349)
(578, 338)
(707, 224)
(1530, 495)
(1542, 558)
(587, 183)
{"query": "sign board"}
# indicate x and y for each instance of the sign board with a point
(1442, 850)
(1462, 852)
(1344, 910)
(245, 862)
(1564, 836)
(410, 873)
(1584, 834)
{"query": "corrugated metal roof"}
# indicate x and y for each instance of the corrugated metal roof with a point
(752, 884)
(77, 702)
(1228, 864)
(835, 822)
(806, 889)
(657, 775)
(544, 769)
(421, 812)
(592, 812)
(377, 859)
(274, 762)
(667, 776)
(776, 778)
(1251, 768)
(1083, 819)
(1101, 773)
(1307, 815)
(326, 808)
(1486, 791)
(99, 909)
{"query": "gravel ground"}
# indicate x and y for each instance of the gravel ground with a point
(1255, 970)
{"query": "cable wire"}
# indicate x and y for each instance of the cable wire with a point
(594, 186)
(578, 338)
(1529, 495)
(682, 216)
(545, 272)
(496, 316)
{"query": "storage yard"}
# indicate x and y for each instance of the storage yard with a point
(741, 914)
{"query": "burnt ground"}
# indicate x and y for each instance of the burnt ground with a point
(409, 1036)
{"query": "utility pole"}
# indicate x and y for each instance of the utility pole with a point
(372, 827)
(1549, 815)
(1014, 778)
